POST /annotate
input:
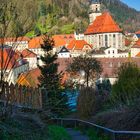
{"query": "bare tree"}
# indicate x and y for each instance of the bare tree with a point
(17, 17)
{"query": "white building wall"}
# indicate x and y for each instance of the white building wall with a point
(18, 45)
(64, 55)
(32, 62)
(115, 40)
(14, 73)
(134, 51)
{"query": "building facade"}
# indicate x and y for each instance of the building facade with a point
(104, 31)
(95, 10)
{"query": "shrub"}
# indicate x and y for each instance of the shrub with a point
(86, 102)
(127, 89)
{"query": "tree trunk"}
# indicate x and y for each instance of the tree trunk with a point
(87, 79)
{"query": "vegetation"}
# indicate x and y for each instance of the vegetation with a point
(94, 135)
(15, 130)
(127, 17)
(104, 86)
(127, 89)
(88, 67)
(86, 102)
(16, 19)
(54, 98)
(58, 133)
(58, 16)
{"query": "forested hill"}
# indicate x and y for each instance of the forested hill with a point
(65, 16)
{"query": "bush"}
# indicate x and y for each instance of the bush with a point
(86, 102)
(127, 89)
(58, 133)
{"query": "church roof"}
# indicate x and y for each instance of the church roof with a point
(103, 24)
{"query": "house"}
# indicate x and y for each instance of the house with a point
(13, 65)
(128, 42)
(19, 43)
(104, 32)
(31, 57)
(78, 36)
(62, 40)
(63, 52)
(135, 49)
(138, 55)
(109, 53)
(109, 65)
(35, 45)
(29, 78)
(138, 34)
(78, 47)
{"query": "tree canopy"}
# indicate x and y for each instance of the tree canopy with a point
(127, 88)
(89, 67)
(50, 79)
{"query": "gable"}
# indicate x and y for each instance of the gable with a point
(64, 50)
(103, 24)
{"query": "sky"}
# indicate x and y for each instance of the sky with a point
(133, 3)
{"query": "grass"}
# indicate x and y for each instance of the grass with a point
(58, 133)
(93, 134)
(14, 130)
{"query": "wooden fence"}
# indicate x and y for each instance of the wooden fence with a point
(22, 96)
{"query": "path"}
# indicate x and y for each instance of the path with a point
(76, 135)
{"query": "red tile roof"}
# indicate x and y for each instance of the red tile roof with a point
(138, 55)
(10, 59)
(138, 32)
(137, 45)
(103, 24)
(127, 42)
(36, 42)
(29, 78)
(77, 45)
(62, 40)
(138, 42)
(28, 54)
(14, 39)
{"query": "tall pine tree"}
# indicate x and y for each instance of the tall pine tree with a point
(50, 80)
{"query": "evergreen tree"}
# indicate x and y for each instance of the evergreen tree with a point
(43, 9)
(50, 80)
(37, 31)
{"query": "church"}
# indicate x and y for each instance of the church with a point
(103, 31)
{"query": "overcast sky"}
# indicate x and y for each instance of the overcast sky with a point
(133, 3)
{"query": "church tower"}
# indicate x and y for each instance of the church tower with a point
(95, 10)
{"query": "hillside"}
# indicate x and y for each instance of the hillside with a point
(66, 16)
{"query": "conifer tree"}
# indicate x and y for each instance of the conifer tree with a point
(50, 80)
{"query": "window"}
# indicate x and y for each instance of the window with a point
(106, 40)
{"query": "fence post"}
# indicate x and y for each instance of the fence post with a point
(75, 123)
(114, 136)
(61, 122)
